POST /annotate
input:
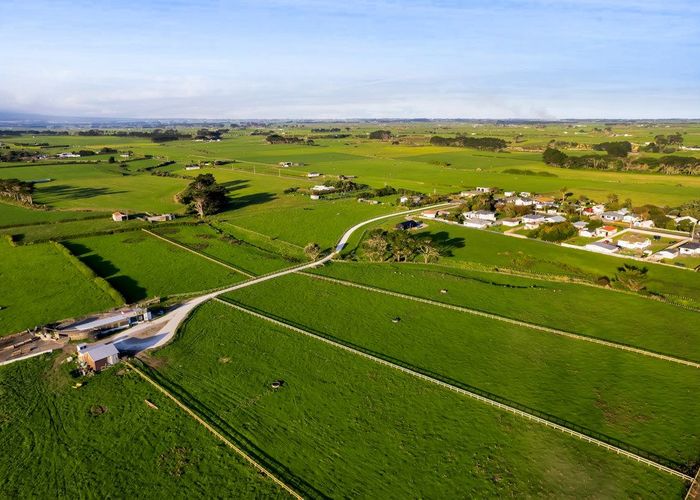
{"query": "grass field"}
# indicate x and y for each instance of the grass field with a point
(466, 247)
(606, 314)
(104, 440)
(344, 426)
(39, 285)
(225, 247)
(11, 215)
(639, 401)
(142, 266)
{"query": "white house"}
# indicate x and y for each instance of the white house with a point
(668, 253)
(605, 231)
(689, 248)
(483, 189)
(581, 224)
(633, 242)
(510, 222)
(315, 197)
(533, 219)
(524, 202)
(598, 209)
(68, 155)
(322, 189)
(312, 175)
(509, 194)
(631, 218)
(192, 167)
(601, 247)
(612, 216)
(481, 214)
(525, 194)
(553, 219)
(477, 223)
(648, 224)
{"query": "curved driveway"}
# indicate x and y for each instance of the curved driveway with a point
(173, 319)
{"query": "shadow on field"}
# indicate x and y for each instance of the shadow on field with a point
(129, 288)
(444, 243)
(74, 192)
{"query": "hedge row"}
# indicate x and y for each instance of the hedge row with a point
(101, 283)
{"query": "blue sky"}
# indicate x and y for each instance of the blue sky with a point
(352, 58)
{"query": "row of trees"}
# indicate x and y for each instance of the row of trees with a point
(669, 164)
(16, 190)
(283, 139)
(483, 143)
(398, 246)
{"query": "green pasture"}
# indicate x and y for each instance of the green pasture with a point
(13, 215)
(104, 440)
(640, 401)
(342, 426)
(224, 246)
(620, 317)
(39, 285)
(141, 266)
(69, 229)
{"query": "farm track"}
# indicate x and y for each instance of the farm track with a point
(464, 392)
(532, 326)
(216, 433)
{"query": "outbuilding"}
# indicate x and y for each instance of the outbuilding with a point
(98, 356)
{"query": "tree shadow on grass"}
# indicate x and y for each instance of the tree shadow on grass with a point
(248, 200)
(74, 192)
(129, 288)
(443, 242)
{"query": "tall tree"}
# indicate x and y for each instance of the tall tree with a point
(204, 195)
(312, 251)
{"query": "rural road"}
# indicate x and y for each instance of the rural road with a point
(132, 341)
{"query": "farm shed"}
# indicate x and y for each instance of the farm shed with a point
(98, 357)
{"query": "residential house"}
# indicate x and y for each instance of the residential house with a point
(432, 214)
(119, 216)
(313, 175)
(605, 231)
(192, 167)
(315, 197)
(581, 224)
(322, 189)
(469, 194)
(481, 214)
(477, 223)
(598, 209)
(554, 219)
(525, 194)
(524, 202)
(98, 356)
(408, 224)
(689, 248)
(633, 241)
(601, 247)
(668, 253)
(532, 221)
(631, 218)
(509, 194)
(648, 224)
(483, 189)
(612, 216)
(510, 222)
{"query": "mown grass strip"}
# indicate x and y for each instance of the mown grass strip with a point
(216, 433)
(517, 322)
(464, 392)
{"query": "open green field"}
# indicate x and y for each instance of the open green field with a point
(141, 266)
(642, 402)
(13, 215)
(345, 426)
(473, 248)
(104, 440)
(39, 285)
(224, 246)
(621, 317)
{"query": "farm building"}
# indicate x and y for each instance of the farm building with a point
(408, 224)
(119, 216)
(192, 167)
(668, 253)
(313, 175)
(160, 218)
(320, 188)
(601, 247)
(634, 242)
(103, 324)
(98, 357)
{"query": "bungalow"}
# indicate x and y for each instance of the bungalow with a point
(668, 253)
(192, 167)
(524, 202)
(99, 356)
(322, 189)
(477, 223)
(605, 231)
(481, 214)
(509, 194)
(690, 248)
(581, 224)
(119, 217)
(533, 219)
(510, 222)
(633, 242)
(469, 194)
(631, 218)
(598, 209)
(601, 247)
(525, 194)
(648, 224)
(554, 219)
(612, 216)
(408, 224)
(312, 175)
(432, 214)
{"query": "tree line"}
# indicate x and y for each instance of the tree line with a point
(398, 246)
(282, 139)
(482, 143)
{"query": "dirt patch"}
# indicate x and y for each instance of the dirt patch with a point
(152, 362)
(97, 410)
(224, 360)
(175, 461)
